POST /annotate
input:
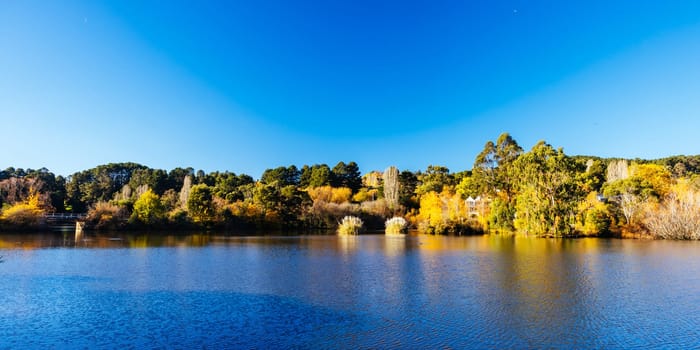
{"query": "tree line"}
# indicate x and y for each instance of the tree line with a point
(539, 192)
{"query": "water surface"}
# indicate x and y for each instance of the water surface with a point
(211, 291)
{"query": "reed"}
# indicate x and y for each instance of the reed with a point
(350, 225)
(395, 226)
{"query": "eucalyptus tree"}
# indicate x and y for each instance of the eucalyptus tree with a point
(547, 191)
(434, 179)
(493, 176)
(492, 168)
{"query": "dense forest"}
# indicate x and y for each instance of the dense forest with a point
(540, 192)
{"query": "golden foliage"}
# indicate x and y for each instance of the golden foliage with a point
(654, 176)
(246, 209)
(365, 195)
(27, 213)
(148, 208)
(443, 212)
(330, 194)
(594, 217)
(430, 212)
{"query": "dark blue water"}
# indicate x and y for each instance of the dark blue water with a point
(206, 291)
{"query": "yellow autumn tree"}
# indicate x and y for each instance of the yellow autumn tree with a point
(594, 217)
(25, 214)
(444, 212)
(148, 208)
(430, 213)
(653, 177)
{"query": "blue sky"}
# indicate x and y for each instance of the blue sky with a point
(245, 86)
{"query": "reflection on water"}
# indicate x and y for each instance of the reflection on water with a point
(208, 290)
(116, 240)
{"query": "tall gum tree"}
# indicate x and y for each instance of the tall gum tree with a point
(548, 192)
(493, 177)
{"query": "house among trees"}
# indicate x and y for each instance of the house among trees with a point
(473, 205)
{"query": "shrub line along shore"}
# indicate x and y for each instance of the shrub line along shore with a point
(541, 192)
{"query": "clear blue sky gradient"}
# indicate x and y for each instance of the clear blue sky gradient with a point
(245, 86)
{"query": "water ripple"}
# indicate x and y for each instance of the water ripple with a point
(308, 293)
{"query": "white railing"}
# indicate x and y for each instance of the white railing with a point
(65, 216)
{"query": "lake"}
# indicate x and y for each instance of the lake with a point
(369, 291)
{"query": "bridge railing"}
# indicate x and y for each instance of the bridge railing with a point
(65, 216)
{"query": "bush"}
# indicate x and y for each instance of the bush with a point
(326, 215)
(677, 218)
(378, 207)
(395, 226)
(330, 194)
(351, 225)
(23, 215)
(107, 216)
(178, 217)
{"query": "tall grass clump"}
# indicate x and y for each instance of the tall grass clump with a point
(350, 225)
(395, 226)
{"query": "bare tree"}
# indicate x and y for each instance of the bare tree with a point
(617, 170)
(677, 218)
(630, 205)
(391, 186)
(185, 191)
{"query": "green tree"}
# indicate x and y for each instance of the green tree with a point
(228, 185)
(148, 209)
(408, 181)
(492, 167)
(200, 204)
(176, 178)
(493, 176)
(434, 179)
(292, 203)
(280, 205)
(98, 184)
(346, 175)
(267, 196)
(548, 192)
(594, 177)
(153, 178)
(284, 176)
(320, 175)
(467, 187)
